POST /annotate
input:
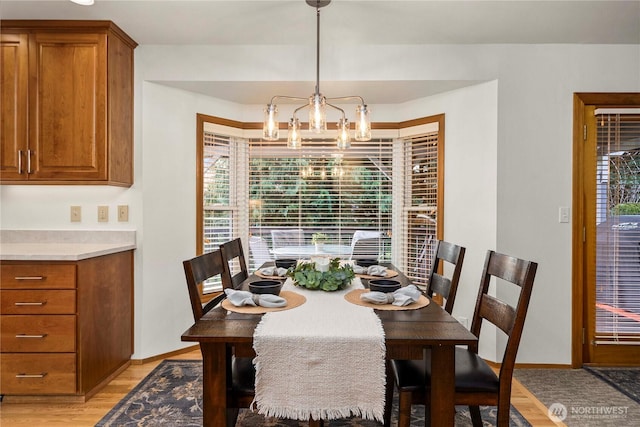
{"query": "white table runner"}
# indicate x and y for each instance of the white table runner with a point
(324, 359)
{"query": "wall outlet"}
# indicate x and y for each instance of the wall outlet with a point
(103, 213)
(76, 214)
(123, 213)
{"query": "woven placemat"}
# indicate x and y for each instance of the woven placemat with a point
(294, 300)
(354, 298)
(390, 274)
(264, 276)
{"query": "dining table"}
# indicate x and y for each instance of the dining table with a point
(407, 333)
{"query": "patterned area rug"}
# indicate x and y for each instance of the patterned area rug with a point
(594, 397)
(171, 395)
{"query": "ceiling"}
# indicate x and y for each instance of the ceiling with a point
(352, 22)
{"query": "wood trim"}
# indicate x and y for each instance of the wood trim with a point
(582, 101)
(165, 355)
(67, 25)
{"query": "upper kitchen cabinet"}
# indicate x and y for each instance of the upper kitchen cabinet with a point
(67, 103)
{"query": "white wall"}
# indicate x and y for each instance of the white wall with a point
(508, 163)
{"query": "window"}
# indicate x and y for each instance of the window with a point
(387, 189)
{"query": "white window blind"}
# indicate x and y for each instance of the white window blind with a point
(320, 189)
(420, 205)
(618, 229)
(220, 223)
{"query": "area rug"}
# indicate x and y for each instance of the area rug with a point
(171, 395)
(586, 397)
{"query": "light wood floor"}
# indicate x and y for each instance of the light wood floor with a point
(89, 413)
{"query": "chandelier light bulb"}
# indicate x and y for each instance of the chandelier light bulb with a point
(363, 125)
(270, 128)
(344, 139)
(293, 138)
(317, 113)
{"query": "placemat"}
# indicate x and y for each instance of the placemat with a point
(354, 298)
(294, 300)
(264, 276)
(390, 274)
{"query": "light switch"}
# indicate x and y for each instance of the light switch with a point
(563, 214)
(76, 214)
(123, 213)
(103, 213)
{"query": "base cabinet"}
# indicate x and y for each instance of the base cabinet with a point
(66, 327)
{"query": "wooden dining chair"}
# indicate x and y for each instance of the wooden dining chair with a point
(235, 265)
(475, 382)
(439, 283)
(240, 370)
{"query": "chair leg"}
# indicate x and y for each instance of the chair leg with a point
(388, 396)
(476, 418)
(232, 416)
(503, 415)
(404, 409)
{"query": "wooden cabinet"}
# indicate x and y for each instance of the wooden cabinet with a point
(67, 103)
(66, 328)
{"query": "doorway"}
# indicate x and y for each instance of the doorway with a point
(606, 229)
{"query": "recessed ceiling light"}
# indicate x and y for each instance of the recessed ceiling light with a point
(83, 2)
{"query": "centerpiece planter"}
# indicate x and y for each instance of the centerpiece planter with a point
(330, 276)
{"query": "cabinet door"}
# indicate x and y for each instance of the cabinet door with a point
(67, 128)
(13, 106)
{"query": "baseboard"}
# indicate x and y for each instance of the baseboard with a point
(165, 355)
(496, 365)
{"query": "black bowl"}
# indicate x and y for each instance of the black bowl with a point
(366, 262)
(286, 263)
(383, 285)
(265, 287)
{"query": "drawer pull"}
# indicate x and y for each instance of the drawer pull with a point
(29, 277)
(30, 336)
(22, 304)
(42, 375)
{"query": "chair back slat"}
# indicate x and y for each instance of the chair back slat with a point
(497, 312)
(196, 271)
(233, 257)
(437, 282)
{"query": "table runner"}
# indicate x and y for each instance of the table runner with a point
(322, 360)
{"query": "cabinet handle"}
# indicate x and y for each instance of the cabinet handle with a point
(31, 336)
(42, 375)
(22, 304)
(29, 278)
(29, 162)
(19, 162)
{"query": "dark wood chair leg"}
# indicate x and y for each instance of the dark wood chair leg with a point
(388, 396)
(232, 416)
(476, 418)
(404, 409)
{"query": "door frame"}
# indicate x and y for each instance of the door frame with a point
(581, 101)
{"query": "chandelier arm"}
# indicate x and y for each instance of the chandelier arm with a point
(299, 108)
(293, 98)
(337, 108)
(345, 98)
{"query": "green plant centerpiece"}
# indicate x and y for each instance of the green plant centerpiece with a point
(336, 277)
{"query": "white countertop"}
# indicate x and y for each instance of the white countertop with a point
(53, 245)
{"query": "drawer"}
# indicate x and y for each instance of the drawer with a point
(35, 301)
(48, 333)
(37, 373)
(38, 276)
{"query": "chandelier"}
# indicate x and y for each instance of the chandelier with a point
(317, 104)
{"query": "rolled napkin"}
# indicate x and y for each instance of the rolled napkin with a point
(401, 297)
(372, 270)
(273, 271)
(240, 298)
